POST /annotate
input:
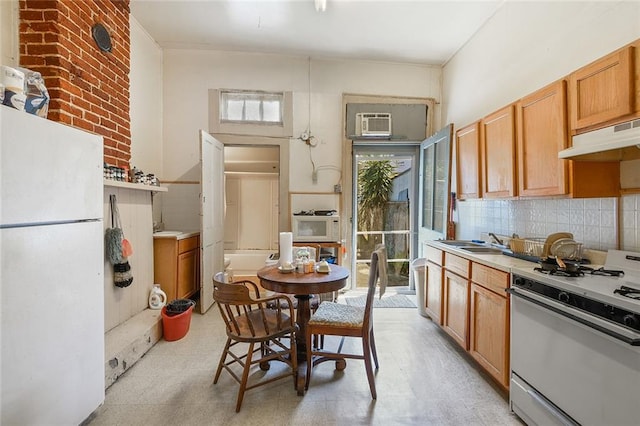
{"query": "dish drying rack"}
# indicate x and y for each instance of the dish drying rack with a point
(528, 246)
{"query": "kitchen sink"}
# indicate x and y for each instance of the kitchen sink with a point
(481, 250)
(460, 243)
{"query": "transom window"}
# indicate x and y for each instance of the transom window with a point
(239, 106)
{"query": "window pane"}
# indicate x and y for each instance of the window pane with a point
(234, 110)
(252, 110)
(251, 107)
(271, 111)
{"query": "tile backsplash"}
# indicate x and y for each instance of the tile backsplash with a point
(593, 221)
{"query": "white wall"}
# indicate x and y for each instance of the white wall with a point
(146, 101)
(9, 32)
(523, 47)
(189, 74)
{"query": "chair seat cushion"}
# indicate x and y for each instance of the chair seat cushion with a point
(337, 314)
(258, 324)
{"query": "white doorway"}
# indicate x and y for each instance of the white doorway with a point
(252, 182)
(384, 210)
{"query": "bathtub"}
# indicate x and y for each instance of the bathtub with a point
(247, 262)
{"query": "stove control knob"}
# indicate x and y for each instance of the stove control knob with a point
(563, 297)
(519, 281)
(630, 320)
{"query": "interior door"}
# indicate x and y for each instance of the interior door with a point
(211, 215)
(434, 185)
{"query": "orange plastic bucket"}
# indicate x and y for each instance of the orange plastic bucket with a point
(176, 327)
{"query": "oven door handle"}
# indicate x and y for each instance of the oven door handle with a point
(631, 341)
(551, 409)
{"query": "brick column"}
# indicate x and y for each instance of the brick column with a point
(89, 88)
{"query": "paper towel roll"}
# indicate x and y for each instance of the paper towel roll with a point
(286, 247)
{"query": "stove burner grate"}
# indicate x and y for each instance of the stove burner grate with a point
(630, 292)
(560, 272)
(607, 272)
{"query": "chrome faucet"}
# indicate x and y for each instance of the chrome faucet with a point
(496, 239)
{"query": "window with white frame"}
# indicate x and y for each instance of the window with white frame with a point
(239, 106)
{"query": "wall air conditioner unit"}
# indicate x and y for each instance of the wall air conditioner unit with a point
(373, 124)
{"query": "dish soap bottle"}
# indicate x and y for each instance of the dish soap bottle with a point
(157, 297)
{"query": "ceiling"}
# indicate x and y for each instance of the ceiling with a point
(416, 31)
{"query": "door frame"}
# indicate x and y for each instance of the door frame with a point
(284, 224)
(404, 149)
(346, 205)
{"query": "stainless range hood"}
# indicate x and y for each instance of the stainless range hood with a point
(619, 142)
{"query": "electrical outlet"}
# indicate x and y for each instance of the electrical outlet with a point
(337, 188)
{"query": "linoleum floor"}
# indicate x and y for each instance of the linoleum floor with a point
(424, 379)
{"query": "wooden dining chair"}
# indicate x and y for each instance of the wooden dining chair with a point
(335, 319)
(256, 334)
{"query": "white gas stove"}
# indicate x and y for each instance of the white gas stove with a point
(617, 283)
(575, 343)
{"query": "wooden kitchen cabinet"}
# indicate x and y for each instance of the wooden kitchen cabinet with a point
(474, 308)
(468, 162)
(177, 266)
(456, 308)
(543, 132)
(433, 294)
(489, 321)
(497, 153)
(456, 285)
(604, 90)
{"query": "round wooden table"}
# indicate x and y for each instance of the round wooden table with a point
(303, 286)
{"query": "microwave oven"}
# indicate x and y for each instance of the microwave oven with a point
(307, 228)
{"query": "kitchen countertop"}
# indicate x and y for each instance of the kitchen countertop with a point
(178, 235)
(497, 261)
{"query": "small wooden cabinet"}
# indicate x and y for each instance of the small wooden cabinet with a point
(489, 321)
(468, 158)
(603, 90)
(176, 266)
(433, 292)
(456, 308)
(456, 298)
(498, 149)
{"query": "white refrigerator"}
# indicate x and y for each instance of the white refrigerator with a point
(51, 272)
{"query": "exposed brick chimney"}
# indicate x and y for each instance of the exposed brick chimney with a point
(89, 88)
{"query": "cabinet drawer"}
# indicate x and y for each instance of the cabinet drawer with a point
(187, 244)
(434, 255)
(459, 265)
(492, 279)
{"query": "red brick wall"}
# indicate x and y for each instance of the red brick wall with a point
(89, 88)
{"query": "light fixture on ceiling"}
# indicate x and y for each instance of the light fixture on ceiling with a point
(321, 5)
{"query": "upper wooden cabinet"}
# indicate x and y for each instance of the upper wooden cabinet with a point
(498, 149)
(542, 133)
(603, 90)
(468, 161)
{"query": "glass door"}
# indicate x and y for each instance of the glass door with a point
(435, 165)
(385, 195)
